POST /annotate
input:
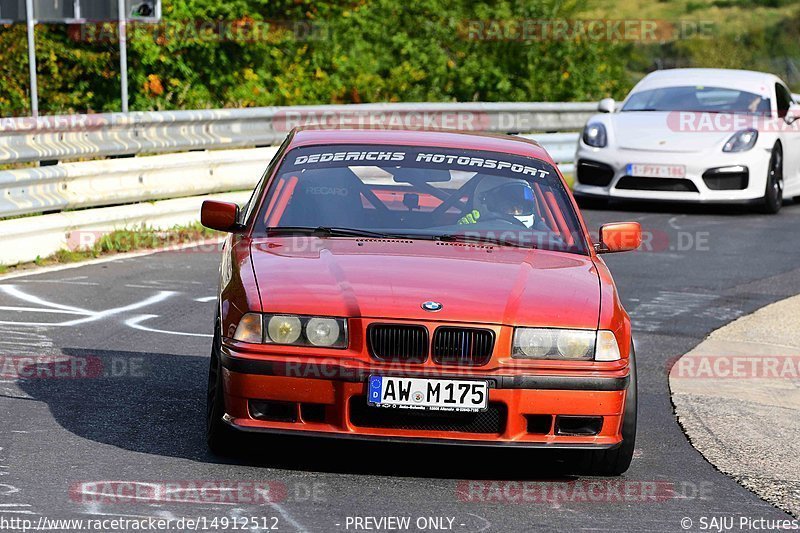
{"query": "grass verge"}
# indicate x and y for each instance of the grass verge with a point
(121, 241)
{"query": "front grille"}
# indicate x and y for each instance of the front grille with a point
(492, 421)
(726, 181)
(594, 173)
(398, 342)
(656, 184)
(462, 346)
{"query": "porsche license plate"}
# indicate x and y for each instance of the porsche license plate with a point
(656, 171)
(428, 394)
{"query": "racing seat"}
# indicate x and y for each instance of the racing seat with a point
(327, 197)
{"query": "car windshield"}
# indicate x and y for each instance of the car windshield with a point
(421, 192)
(698, 98)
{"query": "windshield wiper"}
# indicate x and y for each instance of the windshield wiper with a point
(326, 231)
(463, 237)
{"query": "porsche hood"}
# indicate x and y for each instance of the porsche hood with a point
(654, 131)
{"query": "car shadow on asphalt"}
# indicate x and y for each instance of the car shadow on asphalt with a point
(154, 403)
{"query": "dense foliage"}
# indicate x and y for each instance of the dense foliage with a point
(210, 53)
(233, 53)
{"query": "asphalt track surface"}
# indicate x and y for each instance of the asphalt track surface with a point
(146, 322)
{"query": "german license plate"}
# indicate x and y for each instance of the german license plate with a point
(428, 394)
(656, 171)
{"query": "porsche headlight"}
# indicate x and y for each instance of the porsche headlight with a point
(741, 141)
(567, 344)
(296, 330)
(594, 134)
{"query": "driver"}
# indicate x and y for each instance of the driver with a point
(502, 198)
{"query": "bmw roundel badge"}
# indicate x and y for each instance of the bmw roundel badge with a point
(432, 306)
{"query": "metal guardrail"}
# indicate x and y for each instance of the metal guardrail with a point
(58, 138)
(130, 180)
(144, 179)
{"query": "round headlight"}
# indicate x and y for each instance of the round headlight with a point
(595, 135)
(284, 329)
(322, 331)
(535, 342)
(576, 344)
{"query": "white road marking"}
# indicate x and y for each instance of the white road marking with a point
(89, 316)
(58, 281)
(6, 489)
(38, 310)
(286, 516)
(673, 222)
(162, 284)
(28, 344)
(205, 299)
(487, 524)
(135, 323)
(13, 291)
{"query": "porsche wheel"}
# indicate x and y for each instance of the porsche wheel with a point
(615, 462)
(220, 437)
(773, 194)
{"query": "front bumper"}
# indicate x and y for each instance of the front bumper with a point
(329, 400)
(755, 161)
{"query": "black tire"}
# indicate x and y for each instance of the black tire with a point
(615, 462)
(220, 437)
(772, 201)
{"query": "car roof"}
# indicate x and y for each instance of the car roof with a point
(508, 144)
(745, 80)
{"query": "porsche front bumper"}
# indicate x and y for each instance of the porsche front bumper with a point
(701, 183)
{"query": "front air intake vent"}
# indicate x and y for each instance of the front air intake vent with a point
(398, 342)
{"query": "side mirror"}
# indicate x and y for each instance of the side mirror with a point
(619, 237)
(221, 216)
(606, 105)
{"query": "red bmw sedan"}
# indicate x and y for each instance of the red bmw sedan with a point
(420, 286)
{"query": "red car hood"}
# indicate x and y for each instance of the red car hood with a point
(391, 279)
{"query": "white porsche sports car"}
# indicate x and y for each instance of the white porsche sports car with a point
(694, 135)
